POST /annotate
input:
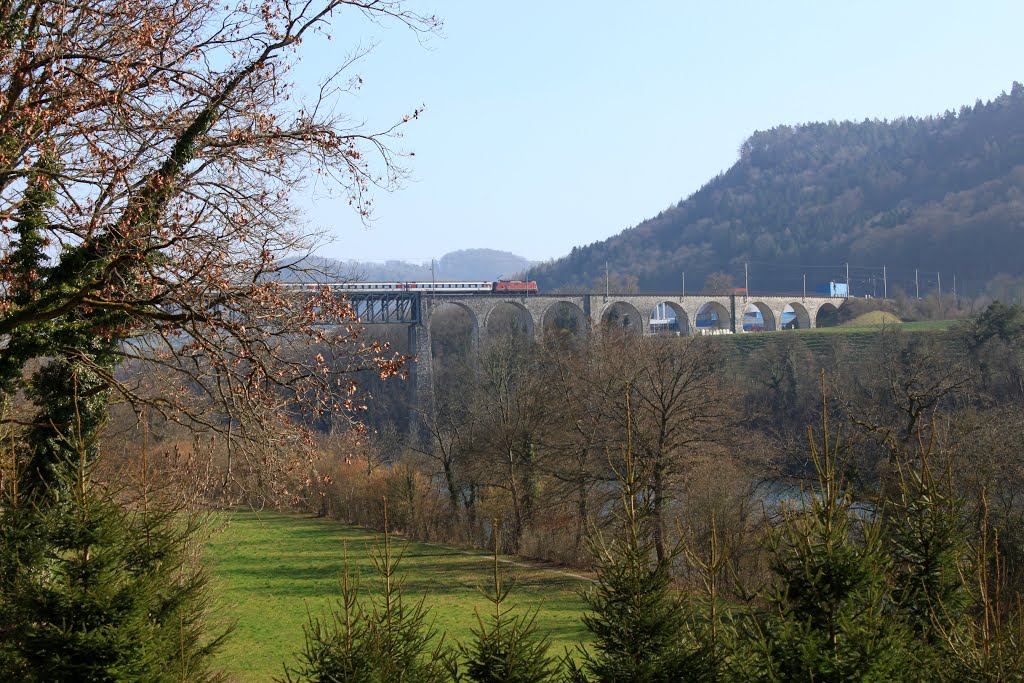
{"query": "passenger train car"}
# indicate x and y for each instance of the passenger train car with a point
(445, 287)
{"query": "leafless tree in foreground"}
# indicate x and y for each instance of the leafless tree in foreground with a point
(148, 151)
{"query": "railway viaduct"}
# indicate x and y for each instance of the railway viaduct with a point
(718, 314)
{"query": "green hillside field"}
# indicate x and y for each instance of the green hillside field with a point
(849, 341)
(271, 568)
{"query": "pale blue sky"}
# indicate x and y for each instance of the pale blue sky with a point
(550, 125)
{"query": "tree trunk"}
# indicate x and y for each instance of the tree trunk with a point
(581, 513)
(658, 510)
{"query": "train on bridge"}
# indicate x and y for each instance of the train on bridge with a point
(438, 287)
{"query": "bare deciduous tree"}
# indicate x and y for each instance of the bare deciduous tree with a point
(906, 383)
(681, 404)
(511, 416)
(148, 151)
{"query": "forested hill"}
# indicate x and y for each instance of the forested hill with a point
(943, 193)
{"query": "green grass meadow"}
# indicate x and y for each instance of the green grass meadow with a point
(270, 568)
(856, 340)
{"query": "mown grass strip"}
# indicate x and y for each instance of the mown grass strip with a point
(271, 567)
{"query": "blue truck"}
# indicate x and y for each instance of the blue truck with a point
(838, 289)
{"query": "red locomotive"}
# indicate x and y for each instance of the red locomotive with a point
(528, 286)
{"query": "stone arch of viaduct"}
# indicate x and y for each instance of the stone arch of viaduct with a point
(633, 311)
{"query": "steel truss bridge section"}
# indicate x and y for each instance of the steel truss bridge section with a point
(385, 308)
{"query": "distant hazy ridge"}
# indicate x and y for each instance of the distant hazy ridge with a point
(465, 264)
